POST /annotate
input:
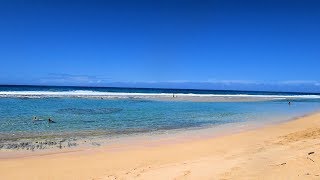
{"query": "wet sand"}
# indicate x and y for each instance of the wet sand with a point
(284, 151)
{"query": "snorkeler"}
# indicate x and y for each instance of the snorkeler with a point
(35, 118)
(51, 121)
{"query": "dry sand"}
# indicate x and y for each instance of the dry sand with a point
(285, 151)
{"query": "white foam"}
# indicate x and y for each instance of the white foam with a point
(83, 93)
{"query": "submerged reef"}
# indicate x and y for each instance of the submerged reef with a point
(89, 111)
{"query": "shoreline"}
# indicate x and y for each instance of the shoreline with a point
(168, 158)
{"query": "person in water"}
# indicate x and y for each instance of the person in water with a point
(50, 121)
(289, 103)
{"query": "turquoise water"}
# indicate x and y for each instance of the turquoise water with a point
(85, 116)
(81, 111)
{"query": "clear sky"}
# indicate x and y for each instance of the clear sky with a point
(167, 43)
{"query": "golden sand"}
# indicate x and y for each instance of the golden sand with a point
(285, 151)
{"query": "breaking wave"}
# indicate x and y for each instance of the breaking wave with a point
(86, 93)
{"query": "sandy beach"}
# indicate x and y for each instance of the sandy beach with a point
(284, 151)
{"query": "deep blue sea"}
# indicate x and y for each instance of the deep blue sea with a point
(141, 90)
(111, 117)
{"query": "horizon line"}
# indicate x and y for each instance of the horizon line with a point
(164, 88)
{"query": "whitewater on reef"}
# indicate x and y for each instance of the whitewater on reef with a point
(86, 93)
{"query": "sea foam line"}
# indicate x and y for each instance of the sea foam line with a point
(80, 93)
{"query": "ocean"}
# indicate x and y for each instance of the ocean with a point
(88, 112)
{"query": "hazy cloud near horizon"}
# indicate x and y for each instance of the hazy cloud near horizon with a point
(65, 79)
(89, 80)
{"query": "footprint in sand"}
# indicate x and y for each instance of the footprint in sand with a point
(112, 177)
(185, 174)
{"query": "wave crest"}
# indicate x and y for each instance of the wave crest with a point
(87, 93)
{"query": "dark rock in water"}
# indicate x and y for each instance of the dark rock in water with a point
(37, 144)
(12, 146)
(70, 144)
(24, 145)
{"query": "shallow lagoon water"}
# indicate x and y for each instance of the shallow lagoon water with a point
(92, 117)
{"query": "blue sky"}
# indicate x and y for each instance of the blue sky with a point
(258, 45)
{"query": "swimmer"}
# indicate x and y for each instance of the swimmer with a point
(50, 121)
